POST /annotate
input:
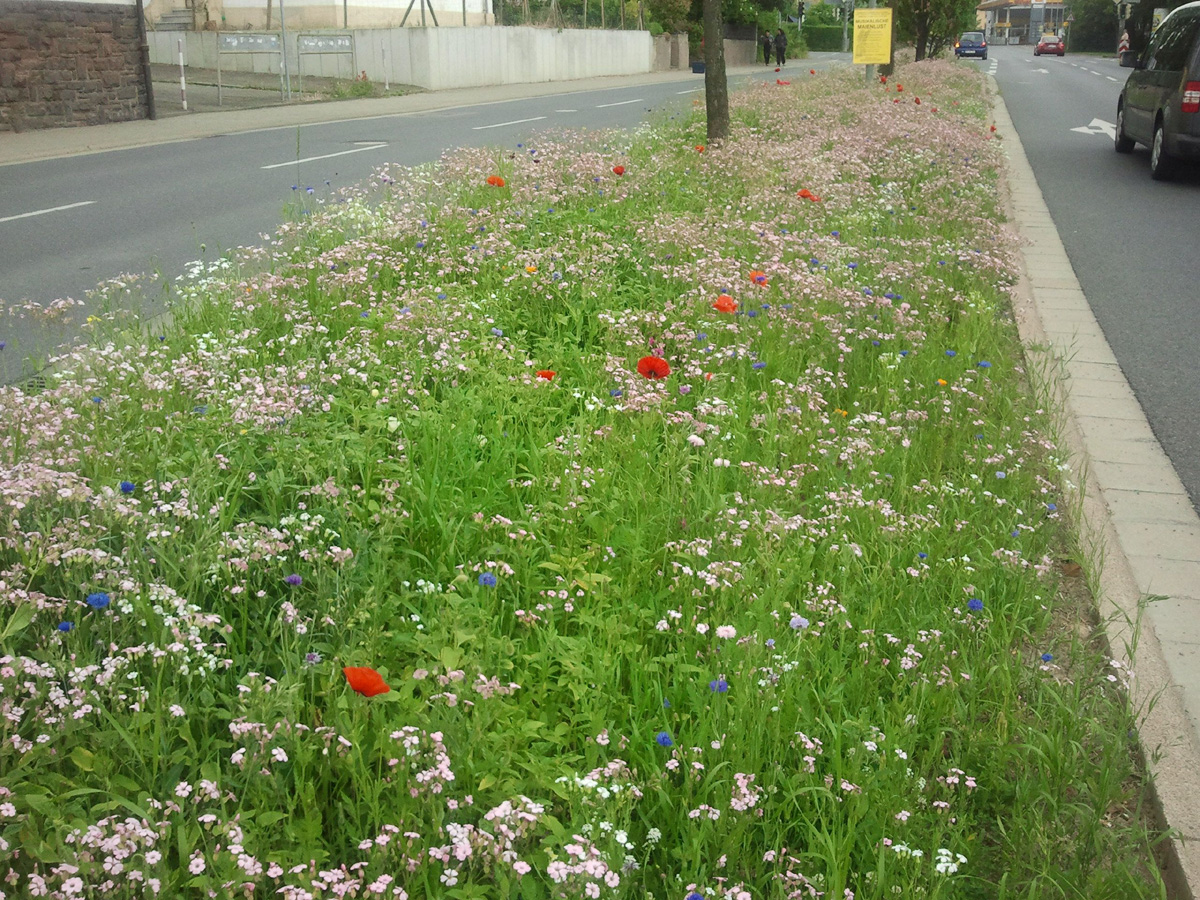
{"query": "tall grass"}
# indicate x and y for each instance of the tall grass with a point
(783, 623)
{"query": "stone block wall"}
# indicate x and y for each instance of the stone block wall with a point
(68, 64)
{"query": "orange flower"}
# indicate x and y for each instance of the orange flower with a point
(618, 170)
(942, 382)
(495, 181)
(548, 374)
(725, 304)
(653, 367)
(708, 376)
(365, 681)
(805, 193)
(699, 148)
(759, 278)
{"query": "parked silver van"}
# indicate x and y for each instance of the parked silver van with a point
(1160, 103)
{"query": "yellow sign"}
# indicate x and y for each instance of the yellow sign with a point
(872, 36)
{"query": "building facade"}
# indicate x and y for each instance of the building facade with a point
(1017, 22)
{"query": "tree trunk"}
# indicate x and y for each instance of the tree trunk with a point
(716, 88)
(268, 15)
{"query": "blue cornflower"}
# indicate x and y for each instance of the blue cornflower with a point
(867, 292)
(294, 580)
(497, 332)
(836, 233)
(875, 343)
(760, 365)
(615, 392)
(98, 600)
(702, 336)
(975, 604)
(312, 658)
(404, 310)
(718, 686)
(308, 190)
(3, 344)
(65, 626)
(904, 353)
(443, 296)
(951, 353)
(799, 623)
(851, 265)
(770, 642)
(922, 555)
(752, 313)
(97, 399)
(666, 703)
(694, 896)
(487, 579)
(1015, 533)
(1001, 475)
(663, 739)
(984, 364)
(1046, 657)
(1050, 507)
(420, 245)
(128, 487)
(366, 314)
(814, 261)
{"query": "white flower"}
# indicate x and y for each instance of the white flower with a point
(695, 440)
(727, 632)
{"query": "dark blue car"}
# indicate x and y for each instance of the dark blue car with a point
(971, 44)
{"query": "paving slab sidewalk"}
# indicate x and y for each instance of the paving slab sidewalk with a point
(1136, 520)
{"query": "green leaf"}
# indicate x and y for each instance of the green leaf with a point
(18, 621)
(83, 758)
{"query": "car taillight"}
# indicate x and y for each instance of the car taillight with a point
(1191, 97)
(983, 43)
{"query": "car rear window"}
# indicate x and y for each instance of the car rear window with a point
(1174, 43)
(972, 36)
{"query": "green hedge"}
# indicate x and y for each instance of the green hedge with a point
(825, 37)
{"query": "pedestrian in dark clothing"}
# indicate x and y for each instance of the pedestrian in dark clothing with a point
(766, 42)
(780, 47)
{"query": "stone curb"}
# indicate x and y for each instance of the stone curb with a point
(1135, 518)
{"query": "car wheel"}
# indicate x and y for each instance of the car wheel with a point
(1162, 166)
(1035, 53)
(1122, 141)
(985, 56)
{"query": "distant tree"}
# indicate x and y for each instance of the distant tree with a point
(932, 25)
(670, 14)
(716, 88)
(1095, 28)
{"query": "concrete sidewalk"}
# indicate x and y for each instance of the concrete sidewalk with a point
(1137, 518)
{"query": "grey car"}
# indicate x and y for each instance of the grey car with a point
(1160, 103)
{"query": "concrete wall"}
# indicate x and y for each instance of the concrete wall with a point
(69, 62)
(252, 15)
(441, 58)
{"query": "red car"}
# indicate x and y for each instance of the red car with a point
(1050, 43)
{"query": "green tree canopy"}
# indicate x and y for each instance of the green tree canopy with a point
(932, 25)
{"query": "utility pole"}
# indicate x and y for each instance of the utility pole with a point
(144, 51)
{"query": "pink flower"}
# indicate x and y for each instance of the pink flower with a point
(727, 632)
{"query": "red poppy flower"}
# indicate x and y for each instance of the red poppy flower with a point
(804, 192)
(495, 181)
(653, 367)
(883, 79)
(917, 100)
(895, 99)
(725, 304)
(618, 170)
(812, 71)
(548, 374)
(777, 68)
(899, 88)
(759, 278)
(777, 81)
(365, 681)
(699, 148)
(993, 128)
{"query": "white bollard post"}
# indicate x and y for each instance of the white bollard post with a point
(383, 47)
(182, 80)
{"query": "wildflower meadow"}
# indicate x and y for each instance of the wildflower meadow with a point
(612, 516)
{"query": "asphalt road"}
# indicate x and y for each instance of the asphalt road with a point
(1132, 241)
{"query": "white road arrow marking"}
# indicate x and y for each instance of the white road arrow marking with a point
(1098, 126)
